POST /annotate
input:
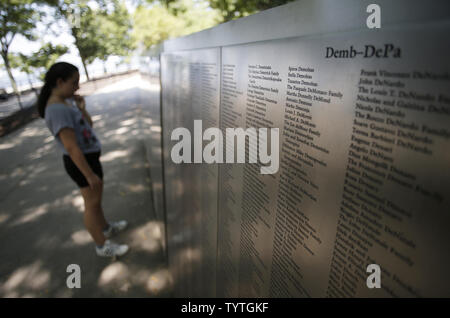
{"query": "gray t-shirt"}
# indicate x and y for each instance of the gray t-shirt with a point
(59, 116)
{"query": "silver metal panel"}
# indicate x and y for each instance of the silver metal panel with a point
(364, 166)
(190, 91)
(364, 174)
(151, 127)
(246, 197)
(232, 115)
(173, 86)
(310, 17)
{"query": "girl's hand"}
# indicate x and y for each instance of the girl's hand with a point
(94, 181)
(79, 100)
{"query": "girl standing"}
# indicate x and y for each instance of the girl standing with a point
(72, 128)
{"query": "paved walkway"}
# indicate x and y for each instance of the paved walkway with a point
(28, 98)
(41, 227)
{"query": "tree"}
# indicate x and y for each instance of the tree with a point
(45, 57)
(154, 25)
(17, 17)
(115, 27)
(196, 15)
(157, 23)
(233, 9)
(79, 17)
(20, 62)
(98, 32)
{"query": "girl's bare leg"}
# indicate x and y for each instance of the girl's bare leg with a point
(94, 220)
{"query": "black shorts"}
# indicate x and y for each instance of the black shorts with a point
(93, 159)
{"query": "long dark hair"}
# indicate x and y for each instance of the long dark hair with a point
(60, 70)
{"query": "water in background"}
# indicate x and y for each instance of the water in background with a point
(28, 97)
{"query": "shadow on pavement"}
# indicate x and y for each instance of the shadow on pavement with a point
(41, 227)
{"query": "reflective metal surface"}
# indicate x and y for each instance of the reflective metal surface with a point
(190, 91)
(347, 123)
(151, 126)
(310, 17)
(364, 172)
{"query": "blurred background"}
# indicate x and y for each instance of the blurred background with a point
(116, 45)
(102, 38)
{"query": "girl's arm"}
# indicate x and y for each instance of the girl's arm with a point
(68, 139)
(87, 117)
(81, 104)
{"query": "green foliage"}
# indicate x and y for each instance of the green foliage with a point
(41, 60)
(99, 31)
(165, 19)
(104, 27)
(156, 23)
(115, 27)
(16, 17)
(233, 9)
(103, 32)
(88, 38)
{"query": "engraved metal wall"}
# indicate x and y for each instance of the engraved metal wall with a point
(364, 176)
(191, 87)
(364, 172)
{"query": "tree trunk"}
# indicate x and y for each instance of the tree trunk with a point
(11, 78)
(74, 34)
(31, 86)
(84, 66)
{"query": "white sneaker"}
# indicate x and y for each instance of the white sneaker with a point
(110, 249)
(114, 228)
